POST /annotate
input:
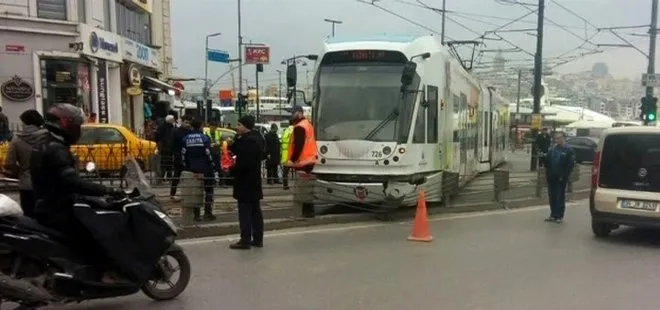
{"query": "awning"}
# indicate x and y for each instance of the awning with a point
(153, 83)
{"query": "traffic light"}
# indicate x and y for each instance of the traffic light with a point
(651, 113)
(649, 109)
(241, 103)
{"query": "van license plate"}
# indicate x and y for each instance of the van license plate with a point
(639, 205)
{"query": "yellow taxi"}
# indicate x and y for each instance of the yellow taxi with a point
(109, 146)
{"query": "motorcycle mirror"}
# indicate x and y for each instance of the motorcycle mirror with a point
(90, 167)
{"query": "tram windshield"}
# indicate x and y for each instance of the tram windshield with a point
(355, 97)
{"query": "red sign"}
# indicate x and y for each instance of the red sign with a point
(226, 94)
(179, 87)
(257, 55)
(15, 48)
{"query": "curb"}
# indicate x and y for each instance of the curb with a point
(223, 229)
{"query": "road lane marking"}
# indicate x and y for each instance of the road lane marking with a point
(349, 227)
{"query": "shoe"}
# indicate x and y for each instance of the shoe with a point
(550, 219)
(175, 198)
(257, 244)
(559, 220)
(210, 217)
(239, 246)
(197, 218)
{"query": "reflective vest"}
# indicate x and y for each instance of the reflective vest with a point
(309, 155)
(226, 160)
(286, 140)
(218, 134)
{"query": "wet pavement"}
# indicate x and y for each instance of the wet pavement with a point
(508, 260)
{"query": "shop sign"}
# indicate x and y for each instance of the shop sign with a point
(17, 89)
(145, 5)
(102, 91)
(14, 48)
(134, 81)
(257, 55)
(140, 54)
(99, 43)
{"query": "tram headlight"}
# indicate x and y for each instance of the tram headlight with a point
(323, 149)
(402, 150)
(387, 150)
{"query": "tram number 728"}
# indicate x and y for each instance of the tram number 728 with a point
(376, 154)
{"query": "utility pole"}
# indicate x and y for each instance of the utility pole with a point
(538, 68)
(240, 56)
(653, 32)
(518, 103)
(444, 13)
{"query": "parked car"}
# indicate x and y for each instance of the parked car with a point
(108, 146)
(625, 181)
(584, 148)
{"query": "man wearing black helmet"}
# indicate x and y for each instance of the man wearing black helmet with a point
(55, 179)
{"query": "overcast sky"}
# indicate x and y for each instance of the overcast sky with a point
(296, 27)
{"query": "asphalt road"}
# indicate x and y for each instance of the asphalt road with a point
(509, 260)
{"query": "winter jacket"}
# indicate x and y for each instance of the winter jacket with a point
(17, 162)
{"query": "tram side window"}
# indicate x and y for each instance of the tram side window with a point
(420, 126)
(455, 101)
(432, 112)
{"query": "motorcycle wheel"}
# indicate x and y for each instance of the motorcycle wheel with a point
(173, 290)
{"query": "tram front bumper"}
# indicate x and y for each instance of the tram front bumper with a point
(326, 192)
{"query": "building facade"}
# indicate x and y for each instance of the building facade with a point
(104, 56)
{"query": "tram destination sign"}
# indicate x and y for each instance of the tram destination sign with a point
(364, 56)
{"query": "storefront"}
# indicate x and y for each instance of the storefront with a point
(39, 70)
(137, 99)
(104, 50)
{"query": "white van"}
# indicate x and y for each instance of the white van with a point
(625, 184)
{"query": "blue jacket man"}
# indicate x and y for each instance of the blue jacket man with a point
(196, 158)
(559, 164)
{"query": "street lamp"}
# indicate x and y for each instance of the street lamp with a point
(206, 63)
(292, 72)
(333, 22)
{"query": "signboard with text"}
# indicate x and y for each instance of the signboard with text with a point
(99, 43)
(141, 54)
(102, 92)
(257, 55)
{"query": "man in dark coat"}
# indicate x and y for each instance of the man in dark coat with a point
(164, 140)
(248, 149)
(559, 165)
(273, 151)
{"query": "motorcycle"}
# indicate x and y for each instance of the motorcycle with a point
(38, 268)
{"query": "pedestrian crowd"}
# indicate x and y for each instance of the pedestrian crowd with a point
(187, 146)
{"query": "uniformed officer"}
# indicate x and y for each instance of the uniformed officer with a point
(302, 158)
(284, 157)
(196, 158)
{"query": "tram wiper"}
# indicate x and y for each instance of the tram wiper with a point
(392, 116)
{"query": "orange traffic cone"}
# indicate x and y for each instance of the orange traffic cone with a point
(421, 227)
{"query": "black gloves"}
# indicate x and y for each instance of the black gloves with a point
(116, 193)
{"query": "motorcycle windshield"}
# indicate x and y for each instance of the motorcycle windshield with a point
(135, 178)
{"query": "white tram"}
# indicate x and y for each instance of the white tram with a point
(385, 132)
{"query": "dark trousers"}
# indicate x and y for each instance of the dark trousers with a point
(271, 171)
(251, 221)
(28, 202)
(166, 168)
(557, 197)
(175, 179)
(286, 171)
(209, 183)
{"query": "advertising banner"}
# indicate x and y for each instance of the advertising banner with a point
(257, 55)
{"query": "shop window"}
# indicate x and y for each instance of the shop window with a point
(133, 24)
(65, 81)
(51, 9)
(107, 19)
(81, 11)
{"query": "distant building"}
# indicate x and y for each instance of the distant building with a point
(499, 62)
(599, 70)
